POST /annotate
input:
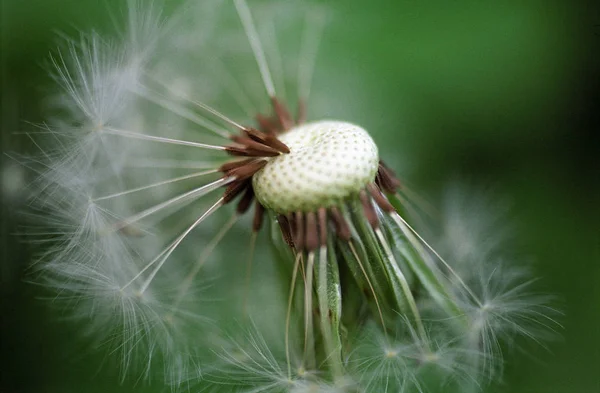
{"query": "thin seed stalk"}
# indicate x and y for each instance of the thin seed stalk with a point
(417, 258)
(309, 341)
(329, 298)
(395, 281)
(365, 262)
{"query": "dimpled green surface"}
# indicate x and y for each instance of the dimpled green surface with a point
(328, 162)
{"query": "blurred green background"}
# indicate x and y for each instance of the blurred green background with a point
(502, 94)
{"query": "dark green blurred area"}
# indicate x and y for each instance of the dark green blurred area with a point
(498, 93)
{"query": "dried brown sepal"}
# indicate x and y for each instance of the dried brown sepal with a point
(386, 178)
(298, 231)
(292, 220)
(285, 119)
(369, 210)
(384, 182)
(254, 145)
(312, 232)
(231, 165)
(322, 217)
(248, 152)
(234, 189)
(246, 200)
(268, 124)
(342, 229)
(267, 140)
(380, 199)
(246, 171)
(286, 230)
(257, 220)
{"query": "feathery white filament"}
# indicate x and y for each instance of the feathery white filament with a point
(157, 184)
(234, 88)
(170, 164)
(203, 106)
(135, 135)
(189, 279)
(254, 39)
(276, 60)
(195, 193)
(313, 30)
(169, 250)
(184, 113)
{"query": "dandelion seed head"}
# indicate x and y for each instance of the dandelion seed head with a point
(328, 162)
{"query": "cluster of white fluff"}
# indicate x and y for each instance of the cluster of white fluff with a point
(122, 201)
(95, 202)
